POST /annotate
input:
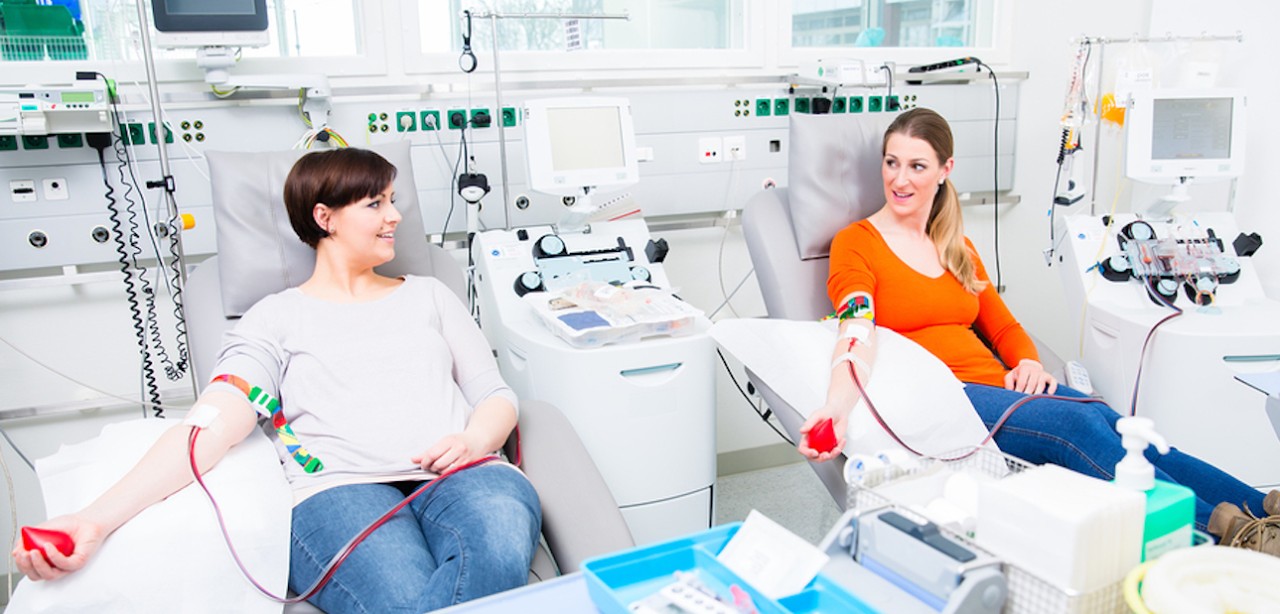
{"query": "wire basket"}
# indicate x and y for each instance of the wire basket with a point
(1028, 593)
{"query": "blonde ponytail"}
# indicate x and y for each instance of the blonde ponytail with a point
(946, 230)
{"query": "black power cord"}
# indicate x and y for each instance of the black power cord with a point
(764, 415)
(995, 175)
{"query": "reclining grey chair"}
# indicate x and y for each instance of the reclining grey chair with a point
(833, 180)
(259, 254)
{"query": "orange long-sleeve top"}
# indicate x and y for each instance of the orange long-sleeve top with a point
(935, 312)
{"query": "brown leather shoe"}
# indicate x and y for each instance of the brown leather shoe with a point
(1240, 529)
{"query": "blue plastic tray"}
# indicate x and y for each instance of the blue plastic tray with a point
(617, 580)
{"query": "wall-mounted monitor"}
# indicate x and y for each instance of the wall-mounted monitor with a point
(576, 146)
(210, 23)
(1176, 135)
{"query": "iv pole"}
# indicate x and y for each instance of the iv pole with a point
(166, 177)
(493, 18)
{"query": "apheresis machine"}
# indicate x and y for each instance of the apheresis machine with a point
(581, 315)
(1174, 320)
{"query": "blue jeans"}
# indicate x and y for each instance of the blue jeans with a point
(471, 535)
(1083, 437)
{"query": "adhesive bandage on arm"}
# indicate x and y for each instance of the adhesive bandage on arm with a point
(853, 358)
(860, 334)
(202, 415)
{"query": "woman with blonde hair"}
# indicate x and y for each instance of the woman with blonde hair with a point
(910, 268)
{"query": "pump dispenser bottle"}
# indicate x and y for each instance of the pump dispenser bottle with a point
(1171, 508)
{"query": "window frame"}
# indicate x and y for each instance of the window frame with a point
(532, 63)
(999, 52)
(371, 62)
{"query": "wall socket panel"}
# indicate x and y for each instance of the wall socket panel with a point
(735, 148)
(55, 189)
(710, 150)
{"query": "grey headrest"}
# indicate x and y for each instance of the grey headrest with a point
(259, 254)
(833, 175)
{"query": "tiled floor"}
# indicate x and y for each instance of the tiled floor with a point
(791, 495)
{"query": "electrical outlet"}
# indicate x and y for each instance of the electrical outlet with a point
(875, 104)
(856, 104)
(430, 120)
(22, 190)
(509, 117)
(839, 105)
(735, 148)
(457, 119)
(406, 121)
(763, 107)
(710, 150)
(480, 118)
(781, 106)
(151, 129)
(8, 142)
(55, 189)
(70, 141)
(35, 142)
(802, 105)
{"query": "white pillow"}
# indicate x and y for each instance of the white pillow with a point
(171, 557)
(916, 394)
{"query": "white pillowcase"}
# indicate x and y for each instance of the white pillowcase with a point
(171, 557)
(915, 393)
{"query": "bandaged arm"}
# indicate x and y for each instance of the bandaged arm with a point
(165, 469)
(842, 393)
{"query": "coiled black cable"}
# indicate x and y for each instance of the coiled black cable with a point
(120, 220)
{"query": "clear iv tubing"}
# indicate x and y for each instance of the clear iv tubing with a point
(337, 560)
(875, 413)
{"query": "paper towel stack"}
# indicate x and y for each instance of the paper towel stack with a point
(1078, 533)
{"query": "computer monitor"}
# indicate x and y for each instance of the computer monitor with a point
(1179, 135)
(210, 23)
(578, 146)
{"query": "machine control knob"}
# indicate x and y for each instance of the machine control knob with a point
(656, 251)
(38, 239)
(1200, 290)
(639, 273)
(1230, 270)
(100, 234)
(529, 281)
(1167, 288)
(548, 246)
(1139, 231)
(1116, 268)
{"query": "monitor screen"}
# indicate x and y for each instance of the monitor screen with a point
(199, 23)
(1191, 129)
(585, 137)
(574, 146)
(1176, 135)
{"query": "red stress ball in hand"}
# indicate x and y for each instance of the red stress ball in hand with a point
(36, 539)
(822, 437)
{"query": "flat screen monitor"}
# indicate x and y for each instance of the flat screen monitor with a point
(1178, 135)
(575, 146)
(209, 23)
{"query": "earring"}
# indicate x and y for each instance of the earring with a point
(942, 181)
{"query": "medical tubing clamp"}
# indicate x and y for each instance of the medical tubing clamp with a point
(257, 396)
(875, 413)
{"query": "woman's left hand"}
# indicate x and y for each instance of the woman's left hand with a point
(1029, 377)
(451, 451)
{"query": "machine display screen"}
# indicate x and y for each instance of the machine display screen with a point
(77, 97)
(585, 138)
(209, 7)
(1191, 129)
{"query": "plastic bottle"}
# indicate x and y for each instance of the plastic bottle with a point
(1171, 508)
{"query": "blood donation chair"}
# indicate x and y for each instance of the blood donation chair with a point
(833, 180)
(259, 254)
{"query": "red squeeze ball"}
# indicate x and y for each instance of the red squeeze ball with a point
(36, 539)
(822, 437)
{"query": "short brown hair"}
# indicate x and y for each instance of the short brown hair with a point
(336, 178)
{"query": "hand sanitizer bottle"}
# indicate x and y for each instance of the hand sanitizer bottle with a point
(1171, 508)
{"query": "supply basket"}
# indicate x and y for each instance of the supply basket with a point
(618, 581)
(1028, 594)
